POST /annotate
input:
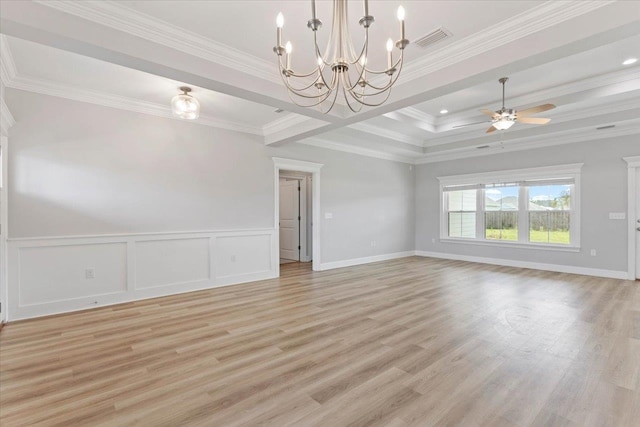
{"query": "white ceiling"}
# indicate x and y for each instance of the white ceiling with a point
(134, 55)
(249, 26)
(80, 71)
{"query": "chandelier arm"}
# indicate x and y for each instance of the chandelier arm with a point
(291, 73)
(333, 103)
(297, 91)
(365, 46)
(363, 102)
(321, 99)
(346, 98)
(392, 80)
(395, 65)
(293, 88)
(305, 105)
(361, 69)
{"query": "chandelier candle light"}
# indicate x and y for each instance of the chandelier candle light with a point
(340, 69)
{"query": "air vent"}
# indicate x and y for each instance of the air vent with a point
(482, 146)
(433, 37)
(606, 127)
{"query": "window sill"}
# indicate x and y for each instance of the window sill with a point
(506, 244)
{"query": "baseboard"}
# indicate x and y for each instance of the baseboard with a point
(364, 260)
(585, 271)
(64, 307)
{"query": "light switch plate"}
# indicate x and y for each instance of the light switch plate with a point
(328, 215)
(617, 215)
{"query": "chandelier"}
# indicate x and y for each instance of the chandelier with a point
(340, 69)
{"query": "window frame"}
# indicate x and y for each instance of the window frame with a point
(566, 171)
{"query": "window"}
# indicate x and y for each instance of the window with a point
(501, 212)
(532, 207)
(462, 213)
(550, 213)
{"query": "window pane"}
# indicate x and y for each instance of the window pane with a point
(549, 215)
(501, 225)
(501, 216)
(462, 224)
(462, 200)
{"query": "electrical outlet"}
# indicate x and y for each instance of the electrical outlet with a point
(373, 243)
(593, 252)
(233, 258)
(433, 240)
(328, 215)
(89, 273)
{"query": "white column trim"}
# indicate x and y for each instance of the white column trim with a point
(4, 222)
(633, 165)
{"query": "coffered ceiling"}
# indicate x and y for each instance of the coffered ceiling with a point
(134, 54)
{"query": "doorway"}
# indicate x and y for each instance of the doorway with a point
(633, 187)
(636, 221)
(295, 216)
(309, 234)
(290, 220)
(3, 229)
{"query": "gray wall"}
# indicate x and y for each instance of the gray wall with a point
(604, 190)
(82, 169)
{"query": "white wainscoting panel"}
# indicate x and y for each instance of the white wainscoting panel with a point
(242, 255)
(172, 261)
(49, 275)
(58, 273)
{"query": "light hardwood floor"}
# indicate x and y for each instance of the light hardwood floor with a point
(415, 341)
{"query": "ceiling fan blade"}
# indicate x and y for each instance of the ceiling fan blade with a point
(491, 129)
(533, 120)
(488, 112)
(535, 110)
(469, 124)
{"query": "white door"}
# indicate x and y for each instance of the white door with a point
(637, 223)
(290, 220)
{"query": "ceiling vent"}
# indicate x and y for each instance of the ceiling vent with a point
(433, 37)
(606, 127)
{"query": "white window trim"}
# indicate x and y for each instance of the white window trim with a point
(546, 172)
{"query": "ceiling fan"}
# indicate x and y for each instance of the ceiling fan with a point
(504, 118)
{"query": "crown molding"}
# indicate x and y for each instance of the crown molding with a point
(576, 113)
(386, 133)
(8, 69)
(125, 19)
(51, 88)
(6, 118)
(283, 123)
(367, 152)
(536, 19)
(130, 21)
(419, 115)
(617, 77)
(532, 142)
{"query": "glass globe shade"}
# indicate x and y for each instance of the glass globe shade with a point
(185, 106)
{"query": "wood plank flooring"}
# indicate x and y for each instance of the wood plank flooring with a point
(415, 341)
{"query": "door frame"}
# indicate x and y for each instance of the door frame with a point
(298, 166)
(4, 221)
(633, 170)
(305, 256)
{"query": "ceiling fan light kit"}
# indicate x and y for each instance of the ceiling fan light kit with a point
(341, 69)
(504, 118)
